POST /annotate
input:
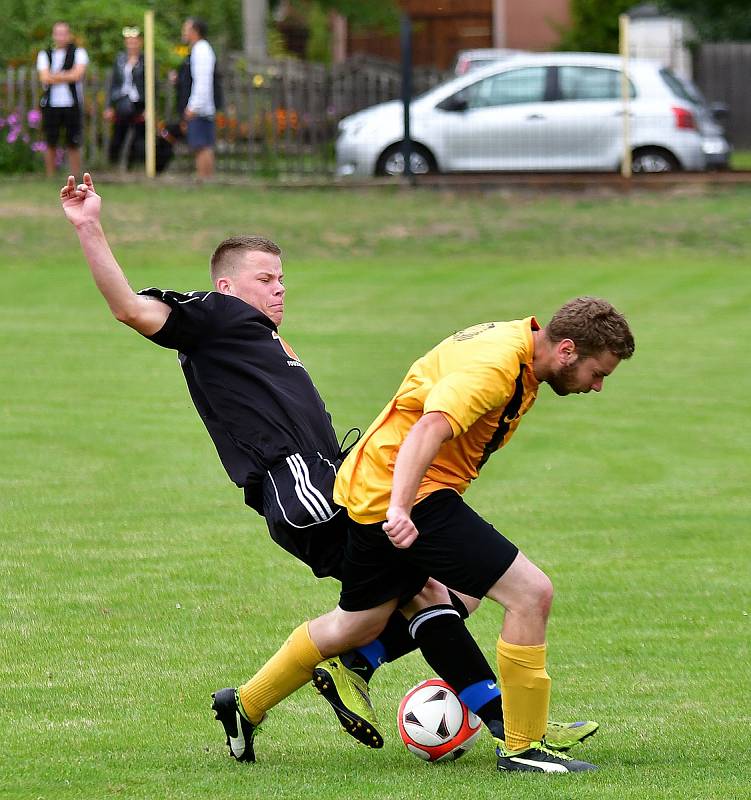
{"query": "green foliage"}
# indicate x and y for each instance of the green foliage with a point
(97, 25)
(715, 20)
(22, 31)
(223, 17)
(594, 25)
(17, 157)
(19, 152)
(318, 46)
(383, 14)
(276, 45)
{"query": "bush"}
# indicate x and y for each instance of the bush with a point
(19, 150)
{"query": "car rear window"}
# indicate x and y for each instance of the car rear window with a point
(678, 87)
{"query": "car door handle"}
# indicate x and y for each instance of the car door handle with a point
(536, 116)
(621, 113)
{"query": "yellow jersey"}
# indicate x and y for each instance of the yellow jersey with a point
(481, 380)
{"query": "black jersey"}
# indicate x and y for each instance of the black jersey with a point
(252, 392)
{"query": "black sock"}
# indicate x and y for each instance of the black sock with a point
(448, 646)
(458, 604)
(396, 638)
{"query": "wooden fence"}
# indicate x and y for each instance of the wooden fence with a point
(722, 72)
(280, 118)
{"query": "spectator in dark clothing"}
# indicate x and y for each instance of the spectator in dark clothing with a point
(126, 100)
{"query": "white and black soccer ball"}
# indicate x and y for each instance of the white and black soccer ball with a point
(434, 723)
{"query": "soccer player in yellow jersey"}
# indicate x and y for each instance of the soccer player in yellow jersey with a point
(402, 485)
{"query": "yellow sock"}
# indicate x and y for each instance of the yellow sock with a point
(285, 672)
(525, 689)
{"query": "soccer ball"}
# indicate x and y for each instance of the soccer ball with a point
(434, 723)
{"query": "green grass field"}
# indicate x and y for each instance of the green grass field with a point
(741, 159)
(134, 582)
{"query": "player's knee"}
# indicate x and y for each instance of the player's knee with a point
(535, 596)
(542, 595)
(432, 594)
(529, 591)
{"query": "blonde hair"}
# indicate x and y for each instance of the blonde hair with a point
(224, 260)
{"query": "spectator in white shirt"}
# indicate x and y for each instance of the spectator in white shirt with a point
(196, 95)
(61, 70)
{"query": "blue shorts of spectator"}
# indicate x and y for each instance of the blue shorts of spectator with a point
(201, 133)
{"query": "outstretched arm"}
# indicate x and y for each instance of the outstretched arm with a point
(82, 206)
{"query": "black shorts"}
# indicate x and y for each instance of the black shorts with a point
(455, 546)
(301, 514)
(54, 119)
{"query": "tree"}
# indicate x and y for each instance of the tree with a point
(594, 25)
(714, 20)
(318, 47)
(371, 14)
(97, 26)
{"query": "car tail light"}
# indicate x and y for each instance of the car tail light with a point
(684, 118)
(462, 66)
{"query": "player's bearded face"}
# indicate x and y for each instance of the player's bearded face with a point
(584, 375)
(565, 381)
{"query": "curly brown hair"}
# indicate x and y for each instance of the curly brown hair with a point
(594, 326)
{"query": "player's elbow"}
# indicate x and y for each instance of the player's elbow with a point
(434, 426)
(129, 314)
(143, 314)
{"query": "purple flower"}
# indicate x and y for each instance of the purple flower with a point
(25, 138)
(34, 117)
(39, 147)
(12, 135)
(13, 119)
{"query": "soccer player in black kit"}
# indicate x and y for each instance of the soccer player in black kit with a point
(276, 442)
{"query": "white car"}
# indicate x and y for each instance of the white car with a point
(467, 60)
(538, 112)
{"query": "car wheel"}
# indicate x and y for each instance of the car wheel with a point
(391, 161)
(654, 159)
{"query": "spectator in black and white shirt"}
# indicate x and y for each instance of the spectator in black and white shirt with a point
(61, 70)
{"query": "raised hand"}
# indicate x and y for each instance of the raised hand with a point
(81, 203)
